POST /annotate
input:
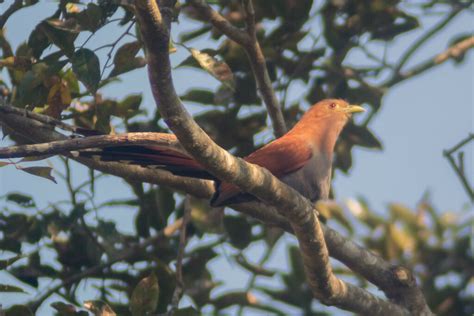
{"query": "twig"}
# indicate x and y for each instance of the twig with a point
(179, 289)
(126, 254)
(419, 42)
(459, 167)
(453, 52)
(15, 6)
(249, 42)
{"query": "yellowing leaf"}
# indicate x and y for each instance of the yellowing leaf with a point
(99, 308)
(218, 69)
(145, 296)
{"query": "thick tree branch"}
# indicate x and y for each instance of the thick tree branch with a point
(248, 40)
(248, 177)
(357, 258)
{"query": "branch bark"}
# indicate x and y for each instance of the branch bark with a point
(248, 40)
(249, 178)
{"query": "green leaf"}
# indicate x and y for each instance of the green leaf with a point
(129, 106)
(18, 310)
(90, 19)
(21, 199)
(67, 309)
(44, 172)
(99, 308)
(360, 135)
(239, 230)
(187, 311)
(218, 69)
(10, 289)
(145, 296)
(199, 96)
(125, 60)
(60, 35)
(8, 262)
(86, 66)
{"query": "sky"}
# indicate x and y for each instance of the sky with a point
(420, 118)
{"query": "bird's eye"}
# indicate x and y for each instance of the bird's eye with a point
(333, 105)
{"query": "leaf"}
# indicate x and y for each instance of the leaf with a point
(129, 106)
(90, 19)
(186, 311)
(59, 98)
(239, 230)
(3, 163)
(218, 69)
(67, 309)
(125, 60)
(21, 199)
(199, 96)
(5, 288)
(86, 66)
(60, 34)
(18, 310)
(44, 172)
(359, 135)
(99, 308)
(8, 262)
(145, 296)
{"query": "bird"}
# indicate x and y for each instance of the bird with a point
(301, 158)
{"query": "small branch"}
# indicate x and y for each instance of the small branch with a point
(248, 40)
(128, 253)
(423, 39)
(453, 52)
(15, 6)
(179, 290)
(459, 167)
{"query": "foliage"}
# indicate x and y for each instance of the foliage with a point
(58, 73)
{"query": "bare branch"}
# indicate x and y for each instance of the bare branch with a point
(418, 43)
(453, 52)
(179, 290)
(255, 55)
(15, 6)
(459, 167)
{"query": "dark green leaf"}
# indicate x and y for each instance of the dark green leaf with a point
(67, 309)
(86, 66)
(239, 230)
(44, 172)
(18, 310)
(90, 19)
(21, 199)
(8, 262)
(11, 288)
(145, 296)
(199, 96)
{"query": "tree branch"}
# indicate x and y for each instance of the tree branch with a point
(15, 6)
(359, 259)
(453, 52)
(419, 42)
(255, 56)
(248, 177)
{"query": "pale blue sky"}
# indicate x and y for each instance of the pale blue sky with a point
(420, 118)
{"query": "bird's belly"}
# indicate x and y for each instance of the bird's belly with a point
(310, 182)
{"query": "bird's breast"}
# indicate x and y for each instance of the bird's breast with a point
(312, 180)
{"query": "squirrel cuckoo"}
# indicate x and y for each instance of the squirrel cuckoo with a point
(301, 158)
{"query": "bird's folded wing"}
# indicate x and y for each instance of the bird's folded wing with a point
(280, 157)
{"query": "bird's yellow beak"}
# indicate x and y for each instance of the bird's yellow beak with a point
(355, 109)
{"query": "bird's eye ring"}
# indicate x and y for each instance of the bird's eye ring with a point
(332, 105)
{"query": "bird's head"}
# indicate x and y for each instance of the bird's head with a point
(334, 108)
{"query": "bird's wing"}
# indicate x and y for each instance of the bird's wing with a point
(280, 157)
(152, 156)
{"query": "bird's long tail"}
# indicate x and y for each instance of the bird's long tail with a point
(155, 157)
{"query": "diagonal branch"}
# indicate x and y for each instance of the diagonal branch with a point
(248, 40)
(249, 178)
(422, 40)
(359, 259)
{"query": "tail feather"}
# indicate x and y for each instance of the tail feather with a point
(152, 157)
